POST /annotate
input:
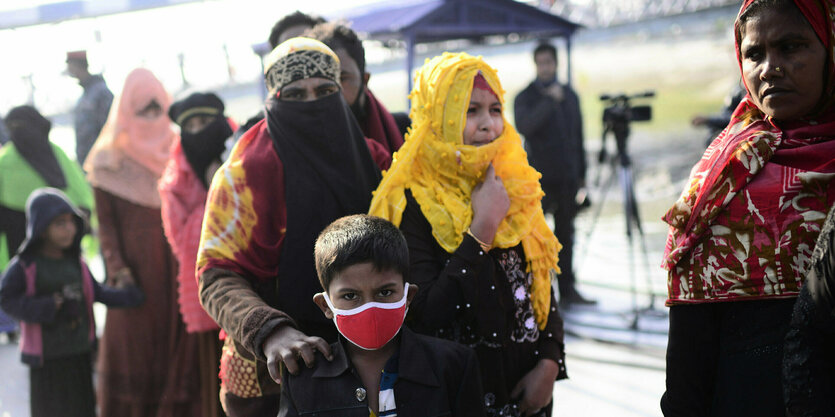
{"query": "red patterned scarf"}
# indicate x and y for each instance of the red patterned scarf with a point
(746, 222)
(248, 217)
(379, 124)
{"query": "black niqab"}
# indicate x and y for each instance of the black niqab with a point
(29, 131)
(328, 174)
(206, 146)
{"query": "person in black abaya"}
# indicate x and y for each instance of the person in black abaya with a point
(290, 175)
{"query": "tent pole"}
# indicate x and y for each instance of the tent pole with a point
(410, 62)
(568, 56)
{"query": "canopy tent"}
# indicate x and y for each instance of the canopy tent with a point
(58, 11)
(416, 22)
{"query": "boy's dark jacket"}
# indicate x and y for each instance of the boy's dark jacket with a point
(17, 285)
(435, 378)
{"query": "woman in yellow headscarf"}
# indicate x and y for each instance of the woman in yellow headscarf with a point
(463, 194)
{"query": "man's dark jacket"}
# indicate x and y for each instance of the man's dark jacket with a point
(90, 114)
(553, 134)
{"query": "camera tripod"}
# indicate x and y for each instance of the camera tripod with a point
(616, 122)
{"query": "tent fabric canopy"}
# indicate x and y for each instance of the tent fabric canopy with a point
(438, 20)
(416, 21)
(58, 11)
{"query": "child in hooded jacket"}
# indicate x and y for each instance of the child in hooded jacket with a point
(49, 288)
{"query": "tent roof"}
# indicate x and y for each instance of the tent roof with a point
(438, 20)
(58, 11)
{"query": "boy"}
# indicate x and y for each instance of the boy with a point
(378, 368)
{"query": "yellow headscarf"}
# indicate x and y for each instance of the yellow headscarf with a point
(428, 164)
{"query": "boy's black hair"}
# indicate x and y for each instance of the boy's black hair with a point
(546, 47)
(357, 239)
(293, 19)
(336, 36)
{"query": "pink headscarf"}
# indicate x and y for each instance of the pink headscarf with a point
(132, 151)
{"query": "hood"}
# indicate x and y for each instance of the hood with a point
(43, 205)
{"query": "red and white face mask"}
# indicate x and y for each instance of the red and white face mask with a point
(371, 325)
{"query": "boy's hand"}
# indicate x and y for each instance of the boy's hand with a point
(537, 387)
(287, 345)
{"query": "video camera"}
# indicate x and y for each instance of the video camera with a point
(616, 118)
(620, 110)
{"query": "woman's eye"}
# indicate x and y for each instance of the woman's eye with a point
(327, 90)
(753, 55)
(792, 46)
(471, 110)
(349, 296)
(496, 110)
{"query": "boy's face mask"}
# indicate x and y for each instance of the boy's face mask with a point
(371, 325)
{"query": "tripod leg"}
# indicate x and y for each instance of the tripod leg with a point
(633, 202)
(628, 204)
(597, 210)
(635, 217)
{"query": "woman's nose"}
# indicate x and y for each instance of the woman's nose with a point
(484, 122)
(771, 69)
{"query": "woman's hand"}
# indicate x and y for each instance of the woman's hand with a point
(490, 204)
(210, 171)
(287, 345)
(536, 388)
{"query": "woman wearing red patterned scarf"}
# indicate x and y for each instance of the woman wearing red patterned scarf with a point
(745, 226)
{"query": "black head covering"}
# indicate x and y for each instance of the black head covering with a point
(207, 145)
(328, 174)
(42, 206)
(196, 104)
(29, 131)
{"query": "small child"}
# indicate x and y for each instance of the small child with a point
(379, 366)
(49, 288)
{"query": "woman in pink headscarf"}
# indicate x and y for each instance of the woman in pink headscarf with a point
(743, 232)
(147, 361)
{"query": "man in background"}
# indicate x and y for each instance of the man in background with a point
(92, 108)
(374, 119)
(291, 26)
(548, 114)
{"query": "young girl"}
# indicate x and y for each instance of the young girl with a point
(462, 192)
(49, 288)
